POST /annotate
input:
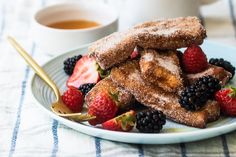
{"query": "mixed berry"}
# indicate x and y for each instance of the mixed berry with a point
(73, 99)
(150, 121)
(85, 74)
(85, 71)
(194, 60)
(227, 100)
(195, 96)
(104, 107)
(69, 64)
(85, 88)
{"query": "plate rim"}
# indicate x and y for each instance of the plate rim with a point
(208, 132)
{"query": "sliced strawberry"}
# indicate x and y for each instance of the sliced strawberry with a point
(124, 122)
(85, 71)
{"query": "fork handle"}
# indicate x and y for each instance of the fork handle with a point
(33, 64)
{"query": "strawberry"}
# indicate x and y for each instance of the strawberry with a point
(194, 59)
(85, 71)
(227, 100)
(124, 122)
(73, 99)
(134, 54)
(104, 107)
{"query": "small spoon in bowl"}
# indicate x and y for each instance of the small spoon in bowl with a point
(58, 107)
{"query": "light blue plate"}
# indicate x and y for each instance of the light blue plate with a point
(172, 132)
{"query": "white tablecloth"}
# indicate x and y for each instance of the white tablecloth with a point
(26, 131)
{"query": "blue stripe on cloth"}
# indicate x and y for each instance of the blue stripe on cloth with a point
(232, 14)
(140, 151)
(225, 146)
(55, 138)
(19, 109)
(98, 147)
(183, 150)
(55, 122)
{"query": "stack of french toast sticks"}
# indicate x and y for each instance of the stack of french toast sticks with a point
(155, 79)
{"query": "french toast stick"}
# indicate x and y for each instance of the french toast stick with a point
(124, 97)
(113, 49)
(218, 72)
(161, 68)
(213, 109)
(129, 77)
(171, 33)
(166, 34)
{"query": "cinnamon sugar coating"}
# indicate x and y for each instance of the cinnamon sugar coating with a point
(156, 79)
(128, 76)
(113, 49)
(161, 68)
(166, 34)
(213, 109)
(171, 33)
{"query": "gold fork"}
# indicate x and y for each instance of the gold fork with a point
(58, 107)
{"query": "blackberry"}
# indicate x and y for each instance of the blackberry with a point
(150, 121)
(85, 88)
(224, 64)
(195, 96)
(69, 64)
(192, 98)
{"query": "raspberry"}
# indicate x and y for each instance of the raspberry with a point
(73, 99)
(194, 60)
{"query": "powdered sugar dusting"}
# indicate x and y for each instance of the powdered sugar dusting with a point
(168, 34)
(164, 32)
(135, 76)
(168, 64)
(148, 57)
(110, 41)
(158, 31)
